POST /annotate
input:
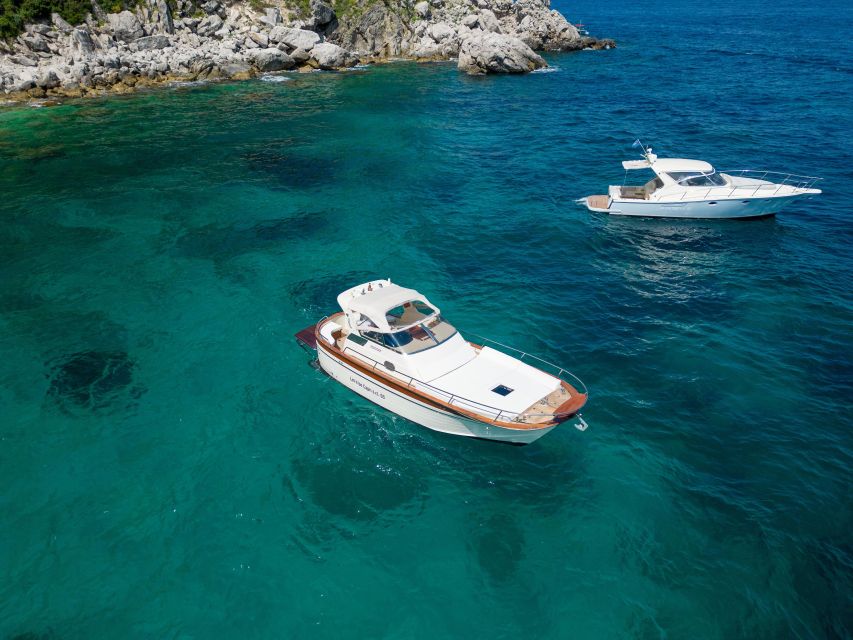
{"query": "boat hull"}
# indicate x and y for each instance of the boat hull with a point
(707, 209)
(702, 209)
(420, 412)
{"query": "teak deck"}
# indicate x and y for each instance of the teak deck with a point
(598, 202)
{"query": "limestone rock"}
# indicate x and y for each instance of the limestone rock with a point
(497, 53)
(36, 42)
(331, 56)
(152, 42)
(441, 31)
(488, 21)
(48, 80)
(272, 16)
(25, 81)
(209, 26)
(260, 39)
(212, 7)
(272, 59)
(300, 56)
(24, 61)
(98, 12)
(294, 38)
(125, 26)
(322, 14)
(378, 31)
(81, 43)
(59, 23)
(422, 9)
(161, 17)
(237, 70)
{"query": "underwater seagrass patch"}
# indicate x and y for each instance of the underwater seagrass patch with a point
(229, 242)
(94, 381)
(291, 169)
(321, 293)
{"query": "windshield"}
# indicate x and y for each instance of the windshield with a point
(693, 179)
(418, 338)
(408, 314)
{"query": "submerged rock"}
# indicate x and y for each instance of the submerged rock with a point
(91, 379)
(497, 53)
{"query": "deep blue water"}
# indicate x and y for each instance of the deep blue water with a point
(172, 468)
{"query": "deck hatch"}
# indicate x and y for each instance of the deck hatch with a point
(502, 390)
(357, 339)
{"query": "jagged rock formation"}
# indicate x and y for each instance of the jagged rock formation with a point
(497, 53)
(182, 39)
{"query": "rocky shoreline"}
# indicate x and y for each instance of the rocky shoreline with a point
(180, 40)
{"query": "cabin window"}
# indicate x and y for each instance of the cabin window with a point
(394, 340)
(390, 340)
(693, 179)
(408, 314)
(373, 336)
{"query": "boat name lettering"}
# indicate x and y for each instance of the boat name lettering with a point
(366, 388)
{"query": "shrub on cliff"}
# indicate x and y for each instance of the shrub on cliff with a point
(14, 14)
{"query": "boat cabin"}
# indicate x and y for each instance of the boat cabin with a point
(670, 175)
(394, 317)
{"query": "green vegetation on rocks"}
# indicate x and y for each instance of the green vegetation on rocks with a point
(14, 14)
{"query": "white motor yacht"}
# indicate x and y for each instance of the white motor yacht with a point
(684, 188)
(392, 346)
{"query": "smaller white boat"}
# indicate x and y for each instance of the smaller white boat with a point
(392, 346)
(683, 188)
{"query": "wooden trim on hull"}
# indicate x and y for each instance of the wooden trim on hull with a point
(564, 412)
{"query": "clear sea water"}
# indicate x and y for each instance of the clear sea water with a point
(171, 467)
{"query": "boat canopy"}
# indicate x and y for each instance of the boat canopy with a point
(682, 164)
(669, 164)
(374, 300)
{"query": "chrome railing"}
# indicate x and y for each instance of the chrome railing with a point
(494, 413)
(768, 189)
(576, 382)
(789, 179)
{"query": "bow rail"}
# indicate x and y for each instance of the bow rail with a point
(488, 411)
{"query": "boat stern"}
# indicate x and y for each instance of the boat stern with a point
(597, 203)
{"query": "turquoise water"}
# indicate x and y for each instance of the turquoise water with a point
(172, 467)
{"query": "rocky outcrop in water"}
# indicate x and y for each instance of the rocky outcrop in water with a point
(186, 40)
(497, 53)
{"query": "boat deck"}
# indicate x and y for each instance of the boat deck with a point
(559, 402)
(307, 337)
(598, 202)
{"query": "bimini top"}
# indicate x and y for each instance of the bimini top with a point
(682, 164)
(669, 164)
(374, 300)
